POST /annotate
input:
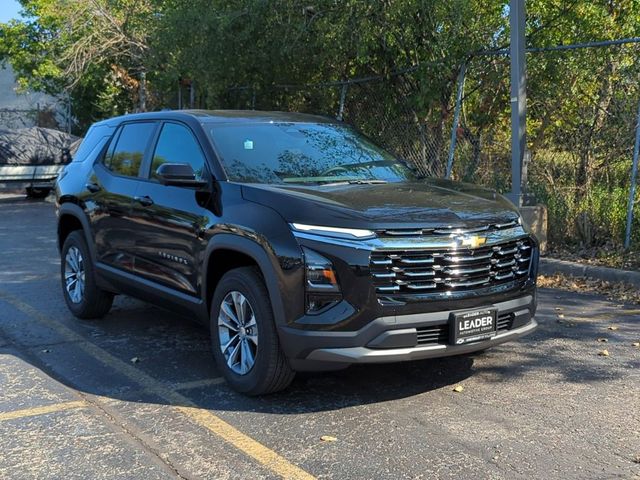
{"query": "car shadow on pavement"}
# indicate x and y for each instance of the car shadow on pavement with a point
(175, 354)
(309, 392)
(359, 385)
(564, 349)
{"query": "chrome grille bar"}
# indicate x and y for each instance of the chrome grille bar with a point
(473, 258)
(416, 261)
(412, 232)
(445, 269)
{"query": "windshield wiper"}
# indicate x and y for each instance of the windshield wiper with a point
(367, 182)
(331, 180)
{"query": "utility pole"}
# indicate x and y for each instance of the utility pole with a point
(143, 91)
(632, 189)
(518, 98)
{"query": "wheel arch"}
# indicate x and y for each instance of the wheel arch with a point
(70, 218)
(236, 251)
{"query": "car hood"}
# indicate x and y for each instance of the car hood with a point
(428, 203)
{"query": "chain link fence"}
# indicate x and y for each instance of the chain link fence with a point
(581, 135)
(582, 108)
(382, 108)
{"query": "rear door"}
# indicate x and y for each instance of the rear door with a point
(113, 186)
(170, 221)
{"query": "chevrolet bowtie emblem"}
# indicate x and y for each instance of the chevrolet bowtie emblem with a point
(472, 241)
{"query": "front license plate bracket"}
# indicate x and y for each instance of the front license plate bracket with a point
(473, 325)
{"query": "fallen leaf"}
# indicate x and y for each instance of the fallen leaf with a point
(328, 438)
(616, 291)
(603, 340)
(604, 353)
(613, 327)
(135, 360)
(458, 388)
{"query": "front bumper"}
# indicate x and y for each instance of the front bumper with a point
(399, 338)
(370, 355)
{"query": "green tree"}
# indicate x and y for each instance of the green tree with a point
(94, 50)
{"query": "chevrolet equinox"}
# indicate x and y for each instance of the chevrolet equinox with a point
(298, 241)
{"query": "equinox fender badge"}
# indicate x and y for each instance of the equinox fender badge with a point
(173, 258)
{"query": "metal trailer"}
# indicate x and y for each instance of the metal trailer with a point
(38, 180)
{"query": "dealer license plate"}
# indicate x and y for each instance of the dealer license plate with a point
(473, 326)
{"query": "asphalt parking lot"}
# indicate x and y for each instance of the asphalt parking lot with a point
(137, 395)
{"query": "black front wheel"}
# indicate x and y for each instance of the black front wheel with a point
(82, 295)
(243, 335)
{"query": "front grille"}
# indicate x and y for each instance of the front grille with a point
(440, 270)
(414, 232)
(439, 334)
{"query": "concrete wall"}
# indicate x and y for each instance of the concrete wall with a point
(27, 109)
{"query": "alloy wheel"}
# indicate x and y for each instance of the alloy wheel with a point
(74, 274)
(238, 332)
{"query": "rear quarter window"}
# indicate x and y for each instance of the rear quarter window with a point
(92, 143)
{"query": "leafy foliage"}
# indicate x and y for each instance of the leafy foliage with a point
(115, 56)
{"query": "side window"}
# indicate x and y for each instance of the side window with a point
(177, 144)
(126, 155)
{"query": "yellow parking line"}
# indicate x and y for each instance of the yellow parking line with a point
(34, 411)
(205, 382)
(260, 453)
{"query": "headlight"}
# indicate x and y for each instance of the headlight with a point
(336, 232)
(525, 225)
(320, 275)
(321, 282)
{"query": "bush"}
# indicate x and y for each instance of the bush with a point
(591, 217)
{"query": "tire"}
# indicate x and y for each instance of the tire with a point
(84, 299)
(37, 192)
(270, 371)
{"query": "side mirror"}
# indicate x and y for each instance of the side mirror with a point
(178, 175)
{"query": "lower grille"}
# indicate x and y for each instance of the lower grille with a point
(439, 334)
(440, 270)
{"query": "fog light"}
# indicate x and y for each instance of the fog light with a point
(318, 303)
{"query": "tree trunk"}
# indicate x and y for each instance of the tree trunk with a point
(585, 165)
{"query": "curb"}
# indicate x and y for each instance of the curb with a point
(550, 266)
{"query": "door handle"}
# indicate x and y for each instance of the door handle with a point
(93, 187)
(145, 201)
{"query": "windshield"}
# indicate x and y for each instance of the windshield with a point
(303, 153)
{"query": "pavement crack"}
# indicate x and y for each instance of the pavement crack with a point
(140, 439)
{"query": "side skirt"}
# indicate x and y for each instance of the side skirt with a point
(126, 283)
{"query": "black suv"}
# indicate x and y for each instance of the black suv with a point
(303, 245)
